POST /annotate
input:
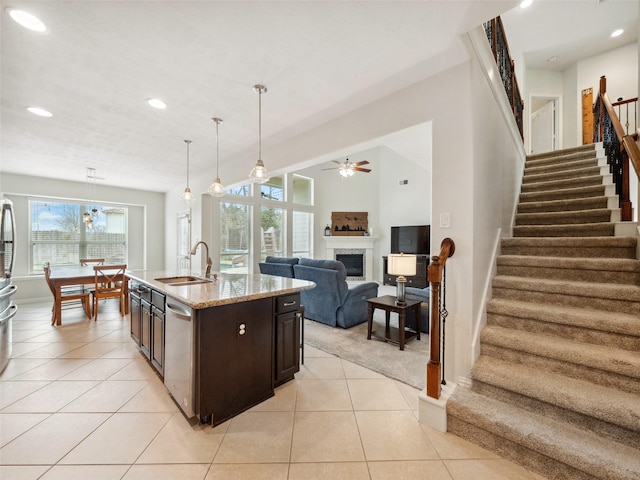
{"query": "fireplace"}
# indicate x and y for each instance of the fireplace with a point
(353, 261)
(360, 246)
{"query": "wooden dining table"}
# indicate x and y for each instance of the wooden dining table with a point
(66, 275)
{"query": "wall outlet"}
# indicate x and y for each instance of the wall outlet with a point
(445, 220)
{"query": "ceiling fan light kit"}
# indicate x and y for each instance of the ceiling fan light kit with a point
(348, 169)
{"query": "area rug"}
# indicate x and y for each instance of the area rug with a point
(407, 366)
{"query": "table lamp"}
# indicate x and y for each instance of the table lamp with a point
(401, 265)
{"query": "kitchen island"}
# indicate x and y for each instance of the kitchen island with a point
(221, 344)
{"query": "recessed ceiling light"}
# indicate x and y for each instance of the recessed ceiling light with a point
(156, 103)
(617, 33)
(41, 112)
(27, 20)
(525, 3)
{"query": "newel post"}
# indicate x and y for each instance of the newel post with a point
(435, 276)
(433, 366)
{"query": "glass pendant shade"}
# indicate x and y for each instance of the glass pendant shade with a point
(259, 173)
(216, 188)
(187, 196)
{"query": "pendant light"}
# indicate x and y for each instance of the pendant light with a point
(187, 196)
(216, 188)
(259, 174)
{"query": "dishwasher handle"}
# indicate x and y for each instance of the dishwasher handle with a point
(179, 311)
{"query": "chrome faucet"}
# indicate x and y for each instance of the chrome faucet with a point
(209, 262)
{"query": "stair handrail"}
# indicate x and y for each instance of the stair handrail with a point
(435, 276)
(620, 148)
(494, 30)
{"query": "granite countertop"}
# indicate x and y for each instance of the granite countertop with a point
(225, 289)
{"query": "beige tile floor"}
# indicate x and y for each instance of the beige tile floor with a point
(79, 402)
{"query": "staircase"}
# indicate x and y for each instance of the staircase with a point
(557, 385)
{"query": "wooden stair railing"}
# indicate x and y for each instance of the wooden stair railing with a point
(620, 147)
(435, 277)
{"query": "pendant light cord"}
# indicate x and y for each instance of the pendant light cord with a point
(260, 124)
(217, 151)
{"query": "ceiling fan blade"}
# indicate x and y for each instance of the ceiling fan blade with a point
(363, 162)
(336, 161)
(365, 170)
(336, 168)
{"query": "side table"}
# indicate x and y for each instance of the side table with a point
(395, 335)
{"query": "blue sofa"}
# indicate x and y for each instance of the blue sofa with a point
(332, 301)
(422, 294)
(280, 266)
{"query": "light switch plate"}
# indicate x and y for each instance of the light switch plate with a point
(445, 220)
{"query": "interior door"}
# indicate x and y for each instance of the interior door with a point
(543, 128)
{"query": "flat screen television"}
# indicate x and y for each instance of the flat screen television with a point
(411, 239)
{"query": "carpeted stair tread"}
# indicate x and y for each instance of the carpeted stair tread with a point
(598, 296)
(572, 164)
(580, 449)
(590, 180)
(606, 321)
(563, 155)
(599, 229)
(564, 205)
(571, 242)
(616, 264)
(567, 287)
(546, 175)
(599, 270)
(605, 358)
(564, 193)
(575, 217)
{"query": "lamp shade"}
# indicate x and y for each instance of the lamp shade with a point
(401, 264)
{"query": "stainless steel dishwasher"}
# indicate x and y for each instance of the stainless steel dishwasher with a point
(179, 368)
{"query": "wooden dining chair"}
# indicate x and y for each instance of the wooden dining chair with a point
(68, 294)
(109, 283)
(91, 261)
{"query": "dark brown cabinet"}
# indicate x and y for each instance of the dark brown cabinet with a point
(419, 280)
(234, 356)
(287, 338)
(147, 307)
(227, 358)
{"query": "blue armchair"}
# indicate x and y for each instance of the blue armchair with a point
(280, 266)
(422, 294)
(332, 301)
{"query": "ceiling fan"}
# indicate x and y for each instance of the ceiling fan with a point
(347, 169)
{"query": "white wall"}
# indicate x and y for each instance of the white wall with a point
(146, 227)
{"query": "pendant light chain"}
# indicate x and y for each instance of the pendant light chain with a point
(259, 174)
(188, 142)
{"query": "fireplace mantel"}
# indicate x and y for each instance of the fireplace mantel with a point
(365, 243)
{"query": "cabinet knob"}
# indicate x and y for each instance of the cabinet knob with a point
(242, 329)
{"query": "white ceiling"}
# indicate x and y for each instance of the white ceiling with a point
(100, 61)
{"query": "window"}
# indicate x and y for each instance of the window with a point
(302, 190)
(272, 226)
(302, 234)
(243, 190)
(273, 189)
(63, 233)
(234, 236)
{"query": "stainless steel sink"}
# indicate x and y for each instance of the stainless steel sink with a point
(182, 280)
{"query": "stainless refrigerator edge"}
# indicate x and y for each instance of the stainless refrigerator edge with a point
(7, 257)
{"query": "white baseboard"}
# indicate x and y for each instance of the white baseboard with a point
(432, 412)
